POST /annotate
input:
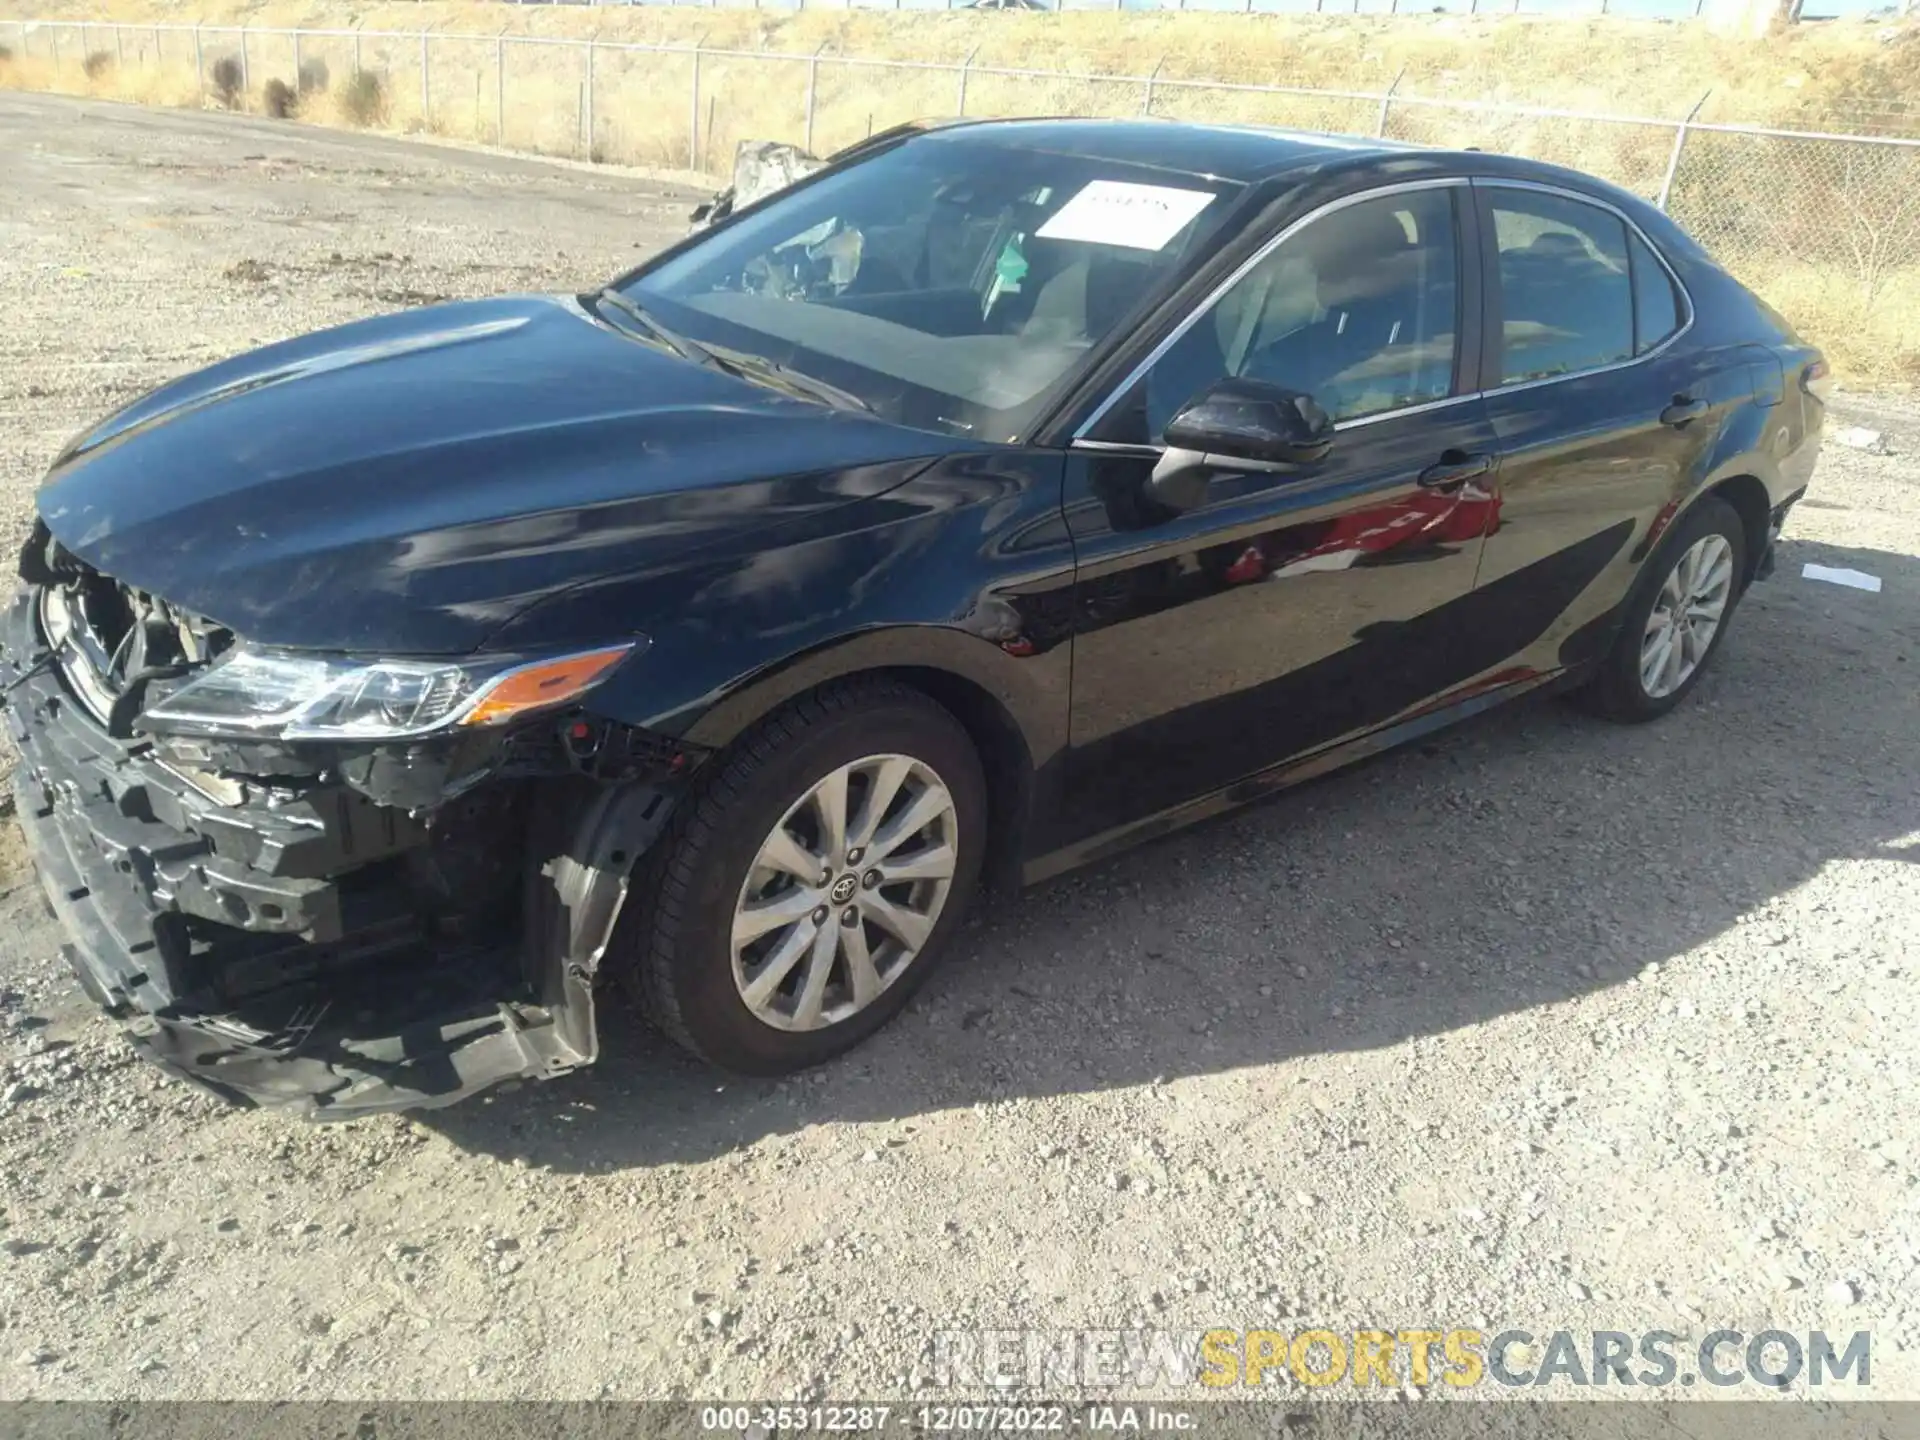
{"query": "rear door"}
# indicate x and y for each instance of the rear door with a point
(1600, 406)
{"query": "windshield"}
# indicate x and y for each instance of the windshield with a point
(946, 283)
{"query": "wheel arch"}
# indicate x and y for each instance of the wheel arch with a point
(1004, 757)
(1750, 500)
(1740, 470)
(1739, 480)
(1012, 708)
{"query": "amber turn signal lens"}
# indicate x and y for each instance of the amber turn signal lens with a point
(544, 683)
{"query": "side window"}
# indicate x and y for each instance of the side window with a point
(1566, 293)
(1656, 311)
(1359, 310)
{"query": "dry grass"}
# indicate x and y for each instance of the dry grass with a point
(170, 86)
(1832, 74)
(1872, 341)
(643, 108)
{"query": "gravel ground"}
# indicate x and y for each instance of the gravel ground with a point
(1543, 1023)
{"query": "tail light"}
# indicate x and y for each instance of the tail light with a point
(1817, 380)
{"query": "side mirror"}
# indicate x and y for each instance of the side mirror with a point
(1238, 425)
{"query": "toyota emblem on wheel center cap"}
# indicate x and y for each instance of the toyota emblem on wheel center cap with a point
(843, 889)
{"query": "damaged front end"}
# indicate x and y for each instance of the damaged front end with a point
(311, 917)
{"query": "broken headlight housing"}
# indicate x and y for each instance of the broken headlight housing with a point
(279, 694)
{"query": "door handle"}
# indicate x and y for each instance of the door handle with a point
(1454, 469)
(1682, 411)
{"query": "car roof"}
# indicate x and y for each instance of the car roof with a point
(1251, 154)
(1242, 153)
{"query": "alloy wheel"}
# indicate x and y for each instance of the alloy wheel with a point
(1687, 614)
(844, 892)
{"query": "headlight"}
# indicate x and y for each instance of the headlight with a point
(273, 693)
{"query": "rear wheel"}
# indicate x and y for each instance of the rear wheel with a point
(1676, 619)
(808, 887)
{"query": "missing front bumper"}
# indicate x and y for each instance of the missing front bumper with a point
(275, 953)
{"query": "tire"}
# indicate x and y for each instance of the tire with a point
(1620, 689)
(679, 952)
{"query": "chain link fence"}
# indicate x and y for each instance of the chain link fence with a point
(1639, 9)
(1825, 226)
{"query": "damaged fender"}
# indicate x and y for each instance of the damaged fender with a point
(575, 901)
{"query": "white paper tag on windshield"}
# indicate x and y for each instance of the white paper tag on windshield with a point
(1112, 212)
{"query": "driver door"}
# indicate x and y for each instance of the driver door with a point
(1292, 606)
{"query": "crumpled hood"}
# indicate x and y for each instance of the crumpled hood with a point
(409, 483)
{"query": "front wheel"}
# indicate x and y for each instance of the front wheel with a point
(1676, 619)
(809, 885)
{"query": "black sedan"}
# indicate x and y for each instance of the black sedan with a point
(997, 497)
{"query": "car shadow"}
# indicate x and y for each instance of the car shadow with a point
(1517, 861)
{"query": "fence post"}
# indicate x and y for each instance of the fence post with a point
(813, 89)
(426, 82)
(356, 47)
(156, 47)
(1386, 101)
(693, 114)
(500, 88)
(1679, 144)
(1146, 104)
(965, 66)
(200, 67)
(590, 130)
(246, 73)
(296, 60)
(120, 46)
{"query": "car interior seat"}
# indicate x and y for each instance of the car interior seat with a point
(1087, 289)
(1563, 307)
(1384, 328)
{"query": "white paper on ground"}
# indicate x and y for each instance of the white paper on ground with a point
(1113, 212)
(1858, 579)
